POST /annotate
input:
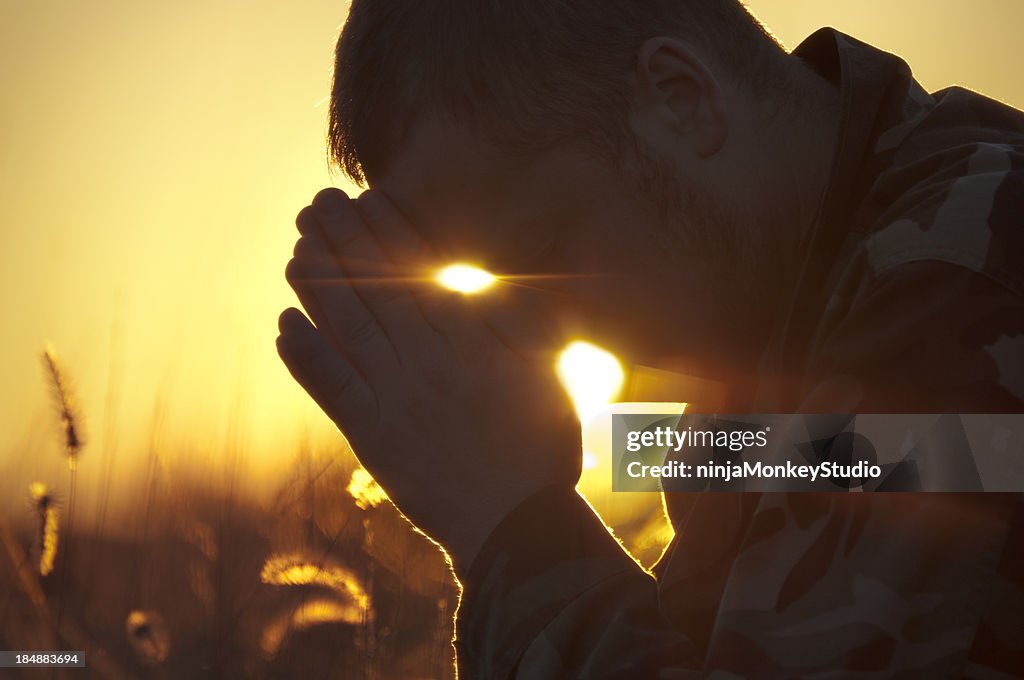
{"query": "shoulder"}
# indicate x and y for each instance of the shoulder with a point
(951, 190)
(928, 336)
(936, 249)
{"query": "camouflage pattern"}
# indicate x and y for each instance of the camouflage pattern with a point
(911, 300)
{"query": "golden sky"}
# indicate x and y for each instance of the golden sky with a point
(153, 157)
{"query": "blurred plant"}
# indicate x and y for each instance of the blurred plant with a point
(349, 602)
(300, 570)
(148, 636)
(365, 490)
(49, 528)
(67, 411)
(71, 428)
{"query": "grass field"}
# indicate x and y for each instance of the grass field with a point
(323, 584)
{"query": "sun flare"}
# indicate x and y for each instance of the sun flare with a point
(465, 278)
(593, 377)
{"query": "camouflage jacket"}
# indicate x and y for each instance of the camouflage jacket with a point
(912, 289)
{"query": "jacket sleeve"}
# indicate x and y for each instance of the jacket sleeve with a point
(931, 336)
(553, 595)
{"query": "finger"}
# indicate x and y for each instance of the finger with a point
(324, 291)
(310, 250)
(445, 310)
(521, 320)
(295, 277)
(454, 318)
(381, 285)
(333, 383)
(306, 221)
(398, 239)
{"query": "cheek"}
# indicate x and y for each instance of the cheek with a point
(627, 285)
(609, 283)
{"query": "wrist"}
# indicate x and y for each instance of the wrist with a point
(471, 539)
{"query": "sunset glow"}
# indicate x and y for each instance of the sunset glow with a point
(157, 266)
(239, 262)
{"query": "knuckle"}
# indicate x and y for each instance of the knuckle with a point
(360, 333)
(341, 381)
(387, 295)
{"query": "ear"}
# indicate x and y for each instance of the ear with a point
(678, 99)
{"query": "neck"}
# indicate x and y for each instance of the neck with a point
(798, 156)
(794, 146)
(770, 183)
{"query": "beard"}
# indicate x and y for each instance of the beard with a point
(689, 220)
(725, 268)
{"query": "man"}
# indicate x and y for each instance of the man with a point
(812, 229)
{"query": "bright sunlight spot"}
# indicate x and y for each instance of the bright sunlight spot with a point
(592, 376)
(465, 278)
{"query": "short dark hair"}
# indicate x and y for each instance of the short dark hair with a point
(527, 73)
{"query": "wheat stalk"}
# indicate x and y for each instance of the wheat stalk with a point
(66, 409)
(73, 443)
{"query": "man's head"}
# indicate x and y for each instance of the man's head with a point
(613, 144)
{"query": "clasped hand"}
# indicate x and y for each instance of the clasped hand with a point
(450, 402)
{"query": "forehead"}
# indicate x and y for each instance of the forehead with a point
(471, 199)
